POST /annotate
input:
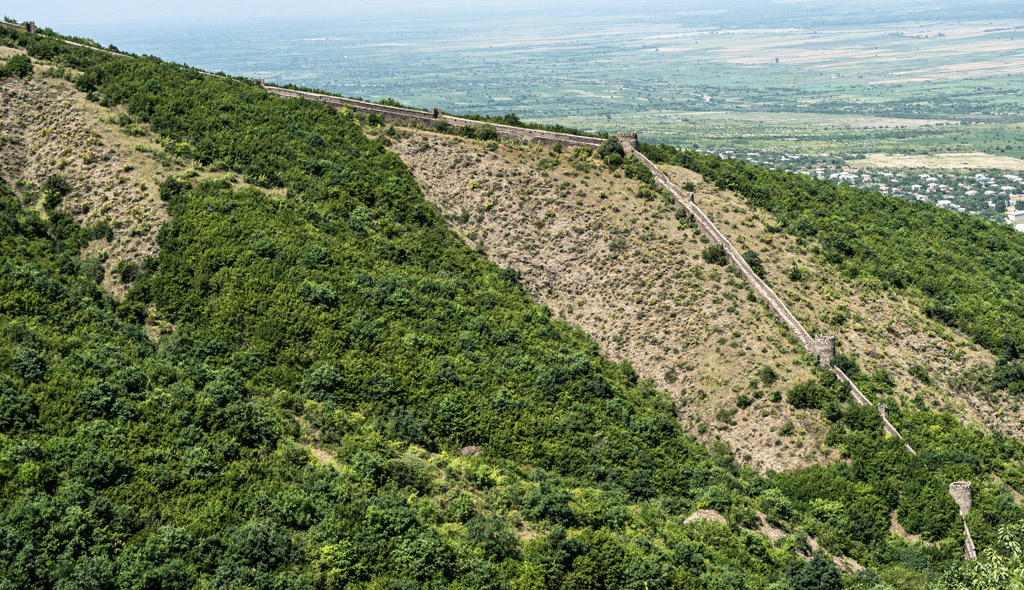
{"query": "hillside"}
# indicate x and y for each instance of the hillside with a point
(108, 175)
(625, 270)
(351, 396)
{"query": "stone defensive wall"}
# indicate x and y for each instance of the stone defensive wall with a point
(427, 119)
(823, 347)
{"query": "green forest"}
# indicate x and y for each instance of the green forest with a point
(353, 398)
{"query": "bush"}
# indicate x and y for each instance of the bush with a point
(127, 270)
(55, 188)
(482, 132)
(754, 261)
(768, 376)
(173, 187)
(808, 394)
(610, 147)
(920, 373)
(846, 364)
(715, 254)
(636, 170)
(19, 66)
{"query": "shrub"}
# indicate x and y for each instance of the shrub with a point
(636, 170)
(920, 373)
(846, 364)
(796, 273)
(127, 270)
(715, 254)
(754, 261)
(482, 132)
(318, 294)
(768, 376)
(808, 394)
(55, 188)
(19, 66)
(173, 187)
(610, 147)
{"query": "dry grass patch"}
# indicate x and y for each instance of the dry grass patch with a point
(617, 263)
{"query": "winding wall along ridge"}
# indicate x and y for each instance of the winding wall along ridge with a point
(424, 118)
(822, 348)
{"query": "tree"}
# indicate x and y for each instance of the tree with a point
(715, 254)
(18, 65)
(609, 147)
(817, 574)
(997, 568)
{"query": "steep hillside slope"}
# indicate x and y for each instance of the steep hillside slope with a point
(624, 269)
(106, 169)
(352, 397)
(876, 328)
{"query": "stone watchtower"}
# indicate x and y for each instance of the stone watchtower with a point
(961, 492)
(30, 26)
(825, 349)
(629, 141)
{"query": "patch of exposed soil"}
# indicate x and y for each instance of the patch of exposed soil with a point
(706, 514)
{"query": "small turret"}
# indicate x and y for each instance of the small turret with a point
(629, 141)
(961, 492)
(825, 347)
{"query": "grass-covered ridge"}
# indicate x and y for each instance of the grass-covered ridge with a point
(335, 351)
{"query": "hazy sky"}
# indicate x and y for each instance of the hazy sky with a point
(111, 19)
(66, 15)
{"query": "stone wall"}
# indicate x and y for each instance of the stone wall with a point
(4, 23)
(961, 492)
(427, 119)
(822, 347)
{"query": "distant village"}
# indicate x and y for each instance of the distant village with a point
(997, 195)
